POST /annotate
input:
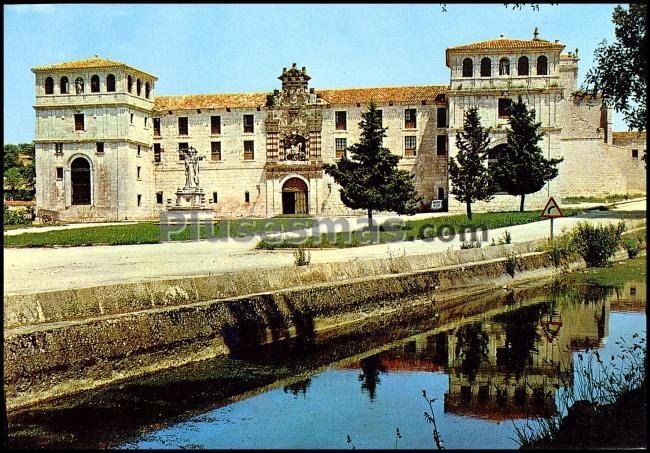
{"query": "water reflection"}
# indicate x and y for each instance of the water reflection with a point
(484, 369)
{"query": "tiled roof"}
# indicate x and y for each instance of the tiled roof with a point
(410, 95)
(208, 101)
(508, 43)
(623, 135)
(87, 63)
(414, 94)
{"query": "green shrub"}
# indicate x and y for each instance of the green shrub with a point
(632, 247)
(597, 244)
(562, 250)
(506, 239)
(15, 217)
(511, 264)
(301, 258)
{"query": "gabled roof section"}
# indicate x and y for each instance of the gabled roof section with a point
(95, 62)
(346, 96)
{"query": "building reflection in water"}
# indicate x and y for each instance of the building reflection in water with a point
(509, 366)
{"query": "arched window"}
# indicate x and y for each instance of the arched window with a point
(110, 83)
(80, 178)
(94, 84)
(129, 83)
(468, 67)
(146, 90)
(504, 66)
(486, 67)
(542, 65)
(138, 87)
(49, 85)
(63, 85)
(522, 66)
(79, 85)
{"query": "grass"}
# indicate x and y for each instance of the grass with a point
(607, 199)
(615, 275)
(435, 227)
(146, 233)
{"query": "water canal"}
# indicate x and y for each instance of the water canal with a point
(488, 371)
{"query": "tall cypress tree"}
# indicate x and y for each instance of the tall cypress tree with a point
(470, 177)
(521, 167)
(370, 180)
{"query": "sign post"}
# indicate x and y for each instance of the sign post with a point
(551, 211)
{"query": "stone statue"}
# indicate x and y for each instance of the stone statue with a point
(191, 168)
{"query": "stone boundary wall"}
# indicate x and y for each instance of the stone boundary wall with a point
(77, 304)
(45, 361)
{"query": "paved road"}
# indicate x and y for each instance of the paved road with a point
(45, 269)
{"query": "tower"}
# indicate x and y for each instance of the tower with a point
(93, 140)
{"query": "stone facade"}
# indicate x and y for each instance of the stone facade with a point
(263, 152)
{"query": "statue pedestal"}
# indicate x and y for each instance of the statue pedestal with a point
(189, 208)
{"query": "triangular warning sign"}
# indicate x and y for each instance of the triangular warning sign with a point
(552, 209)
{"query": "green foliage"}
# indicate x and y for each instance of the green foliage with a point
(19, 177)
(620, 73)
(562, 250)
(470, 244)
(632, 247)
(506, 239)
(597, 244)
(470, 177)
(301, 257)
(14, 217)
(606, 199)
(521, 167)
(370, 180)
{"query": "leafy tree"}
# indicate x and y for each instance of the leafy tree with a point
(370, 180)
(521, 168)
(620, 74)
(470, 177)
(13, 179)
(10, 158)
(18, 175)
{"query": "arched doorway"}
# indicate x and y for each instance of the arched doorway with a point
(80, 177)
(294, 197)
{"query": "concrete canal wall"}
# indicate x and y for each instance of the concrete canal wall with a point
(68, 341)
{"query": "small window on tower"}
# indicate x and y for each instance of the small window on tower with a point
(139, 150)
(100, 148)
(504, 108)
(79, 122)
(58, 148)
(214, 197)
(156, 127)
(59, 173)
(139, 200)
(156, 152)
(247, 197)
(139, 172)
(159, 197)
(635, 154)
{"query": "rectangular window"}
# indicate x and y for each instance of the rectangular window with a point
(249, 150)
(214, 197)
(410, 121)
(58, 148)
(139, 172)
(159, 197)
(145, 121)
(182, 126)
(79, 122)
(341, 144)
(441, 145)
(131, 118)
(442, 117)
(156, 152)
(215, 151)
(156, 127)
(504, 108)
(139, 200)
(247, 197)
(139, 150)
(59, 173)
(248, 124)
(215, 125)
(100, 147)
(182, 146)
(635, 154)
(341, 120)
(409, 145)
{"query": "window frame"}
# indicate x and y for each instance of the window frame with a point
(99, 147)
(183, 130)
(57, 176)
(410, 151)
(520, 62)
(248, 128)
(49, 85)
(338, 124)
(340, 152)
(486, 67)
(77, 117)
(467, 69)
(502, 109)
(542, 62)
(410, 118)
(215, 125)
(214, 153)
(156, 127)
(95, 84)
(110, 83)
(444, 150)
(181, 156)
(251, 150)
(444, 122)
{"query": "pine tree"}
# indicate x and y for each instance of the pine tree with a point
(470, 177)
(370, 179)
(521, 167)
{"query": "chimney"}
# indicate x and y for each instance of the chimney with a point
(536, 34)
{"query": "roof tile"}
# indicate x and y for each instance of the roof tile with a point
(508, 43)
(87, 63)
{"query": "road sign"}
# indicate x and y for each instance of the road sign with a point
(551, 210)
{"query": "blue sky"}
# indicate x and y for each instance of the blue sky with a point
(231, 48)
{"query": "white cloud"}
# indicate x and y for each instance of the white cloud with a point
(42, 8)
